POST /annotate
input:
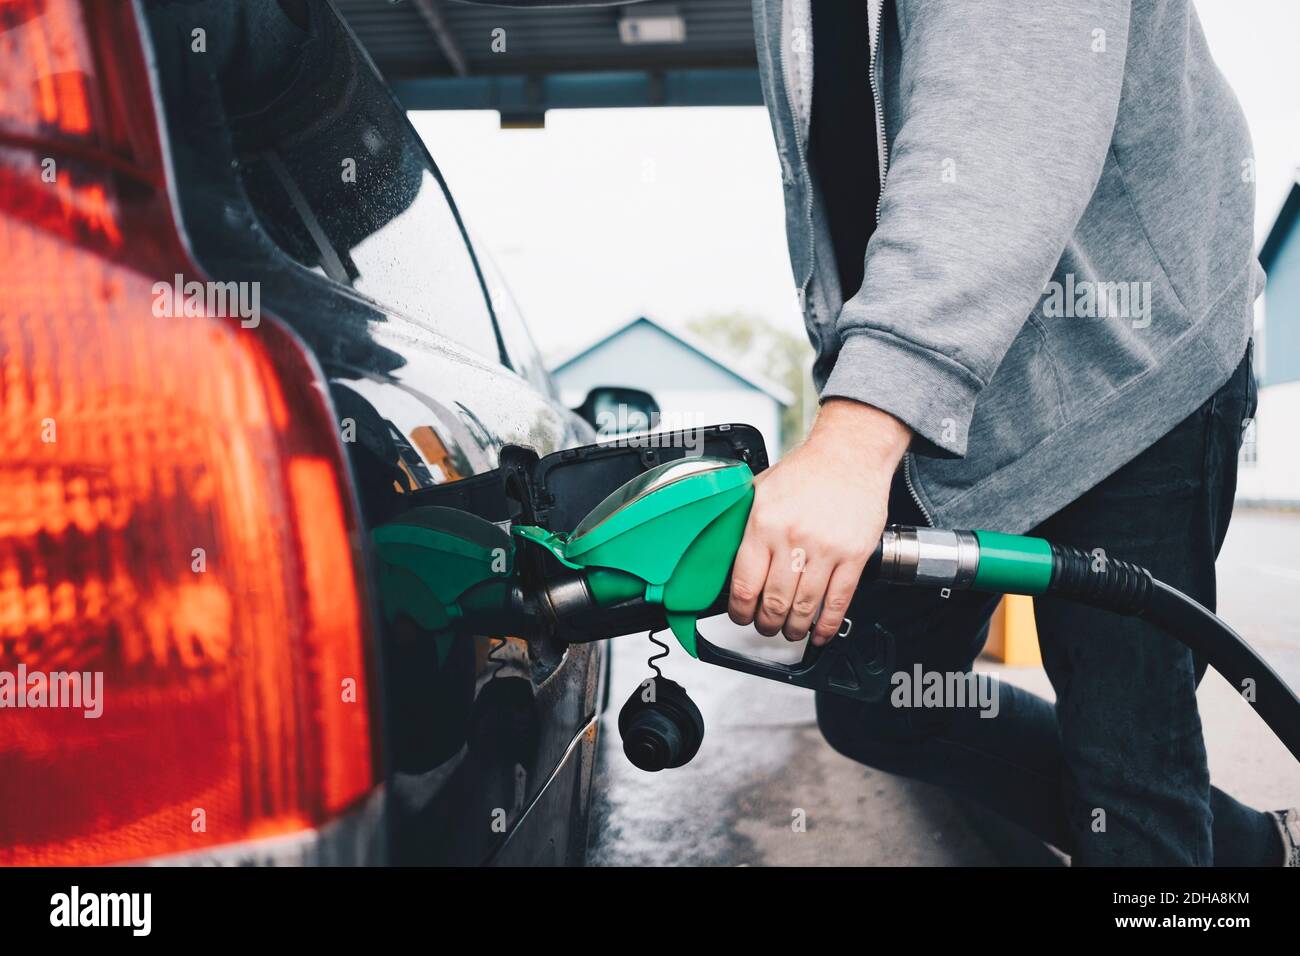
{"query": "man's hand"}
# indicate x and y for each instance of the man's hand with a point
(817, 516)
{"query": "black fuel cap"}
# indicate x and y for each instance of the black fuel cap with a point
(660, 725)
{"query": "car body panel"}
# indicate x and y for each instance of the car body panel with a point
(416, 409)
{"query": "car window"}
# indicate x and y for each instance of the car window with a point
(520, 347)
(333, 171)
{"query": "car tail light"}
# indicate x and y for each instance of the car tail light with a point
(46, 83)
(174, 514)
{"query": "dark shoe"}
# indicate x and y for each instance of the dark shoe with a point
(1288, 822)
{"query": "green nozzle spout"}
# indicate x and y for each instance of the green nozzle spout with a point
(671, 534)
(436, 565)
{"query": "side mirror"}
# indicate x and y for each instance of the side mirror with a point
(613, 410)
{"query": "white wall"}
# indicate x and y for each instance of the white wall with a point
(716, 408)
(691, 390)
(1275, 476)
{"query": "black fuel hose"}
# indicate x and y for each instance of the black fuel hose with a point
(1014, 564)
(1130, 589)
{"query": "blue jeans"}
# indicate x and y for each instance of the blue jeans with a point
(1115, 773)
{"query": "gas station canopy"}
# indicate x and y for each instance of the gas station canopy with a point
(444, 54)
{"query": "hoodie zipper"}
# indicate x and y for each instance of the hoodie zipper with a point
(882, 152)
(911, 489)
(882, 145)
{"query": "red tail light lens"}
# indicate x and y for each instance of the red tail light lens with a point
(174, 524)
(45, 87)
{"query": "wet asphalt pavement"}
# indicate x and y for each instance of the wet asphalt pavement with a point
(765, 789)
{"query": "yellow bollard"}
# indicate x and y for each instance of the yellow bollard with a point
(1013, 635)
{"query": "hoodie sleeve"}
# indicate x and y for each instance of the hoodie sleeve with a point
(1007, 112)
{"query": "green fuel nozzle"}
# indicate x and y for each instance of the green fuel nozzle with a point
(659, 548)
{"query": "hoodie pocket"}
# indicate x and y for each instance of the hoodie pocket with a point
(1109, 312)
(1021, 406)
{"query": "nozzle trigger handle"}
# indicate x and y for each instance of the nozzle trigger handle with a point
(843, 667)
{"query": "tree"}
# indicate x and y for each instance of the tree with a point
(775, 353)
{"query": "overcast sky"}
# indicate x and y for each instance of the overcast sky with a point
(676, 213)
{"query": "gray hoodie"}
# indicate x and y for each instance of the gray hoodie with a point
(1063, 267)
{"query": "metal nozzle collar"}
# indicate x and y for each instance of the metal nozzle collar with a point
(928, 556)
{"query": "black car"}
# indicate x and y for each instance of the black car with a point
(241, 325)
